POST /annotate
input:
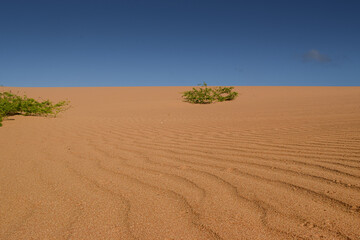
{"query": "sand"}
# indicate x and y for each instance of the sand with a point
(138, 163)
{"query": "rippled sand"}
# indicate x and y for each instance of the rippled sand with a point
(138, 163)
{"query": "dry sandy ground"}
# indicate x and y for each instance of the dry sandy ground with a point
(138, 163)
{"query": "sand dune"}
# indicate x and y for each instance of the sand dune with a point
(138, 163)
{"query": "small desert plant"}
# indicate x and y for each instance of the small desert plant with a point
(205, 95)
(12, 104)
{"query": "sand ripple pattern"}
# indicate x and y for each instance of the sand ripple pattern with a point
(159, 175)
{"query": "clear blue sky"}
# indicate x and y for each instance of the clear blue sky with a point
(179, 43)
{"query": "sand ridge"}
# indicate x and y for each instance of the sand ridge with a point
(139, 163)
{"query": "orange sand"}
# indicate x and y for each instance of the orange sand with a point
(138, 163)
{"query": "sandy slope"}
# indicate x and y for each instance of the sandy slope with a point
(138, 163)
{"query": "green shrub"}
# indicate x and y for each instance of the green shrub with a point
(12, 104)
(206, 95)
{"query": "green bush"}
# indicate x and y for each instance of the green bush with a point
(11, 104)
(206, 95)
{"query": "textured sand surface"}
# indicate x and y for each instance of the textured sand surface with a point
(138, 163)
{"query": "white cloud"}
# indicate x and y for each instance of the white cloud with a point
(315, 55)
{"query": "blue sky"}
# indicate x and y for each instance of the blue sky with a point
(179, 43)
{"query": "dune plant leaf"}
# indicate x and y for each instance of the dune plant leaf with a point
(12, 104)
(207, 95)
